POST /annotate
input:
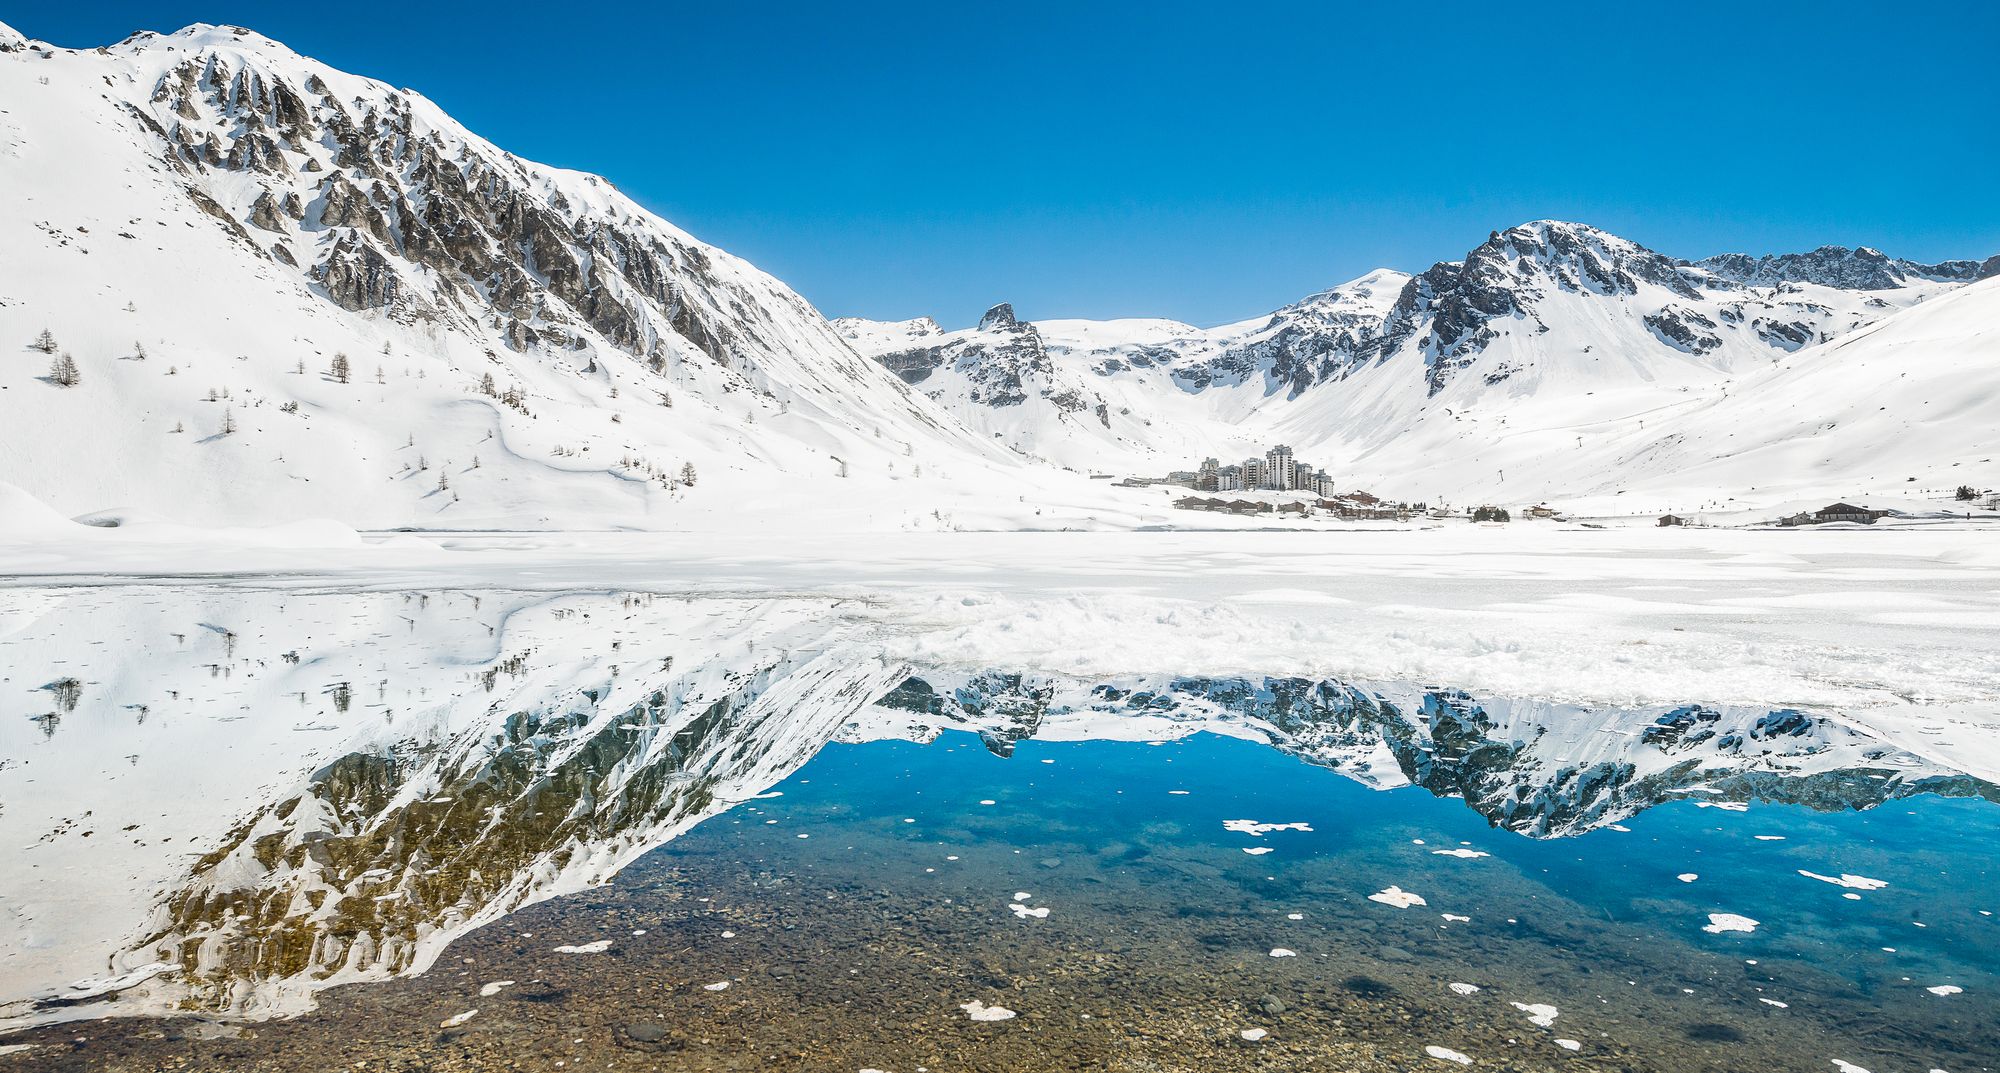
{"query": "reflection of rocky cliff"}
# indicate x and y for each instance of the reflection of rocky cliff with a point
(385, 856)
(456, 758)
(1544, 770)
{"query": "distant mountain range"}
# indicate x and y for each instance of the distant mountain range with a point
(1547, 336)
(207, 226)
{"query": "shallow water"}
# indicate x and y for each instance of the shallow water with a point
(861, 861)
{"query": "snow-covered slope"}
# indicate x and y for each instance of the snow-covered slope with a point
(1905, 405)
(206, 222)
(1531, 369)
(1128, 394)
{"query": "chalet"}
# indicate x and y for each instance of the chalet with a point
(1671, 519)
(1244, 506)
(1544, 512)
(1793, 520)
(1846, 512)
(1294, 508)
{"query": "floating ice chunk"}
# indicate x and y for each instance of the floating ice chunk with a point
(1851, 896)
(457, 1019)
(597, 947)
(1256, 851)
(1462, 854)
(1253, 1034)
(1397, 897)
(1569, 1044)
(494, 988)
(1688, 877)
(1455, 916)
(1281, 952)
(1946, 989)
(1252, 827)
(1023, 896)
(1540, 1014)
(1769, 838)
(719, 985)
(989, 801)
(1847, 880)
(768, 796)
(1726, 806)
(1446, 1054)
(1178, 793)
(979, 1011)
(1464, 989)
(1295, 916)
(729, 935)
(1722, 922)
(1023, 912)
(1847, 1067)
(1775, 1002)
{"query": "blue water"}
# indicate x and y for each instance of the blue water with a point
(1597, 924)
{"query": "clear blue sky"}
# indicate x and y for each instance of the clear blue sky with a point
(1200, 161)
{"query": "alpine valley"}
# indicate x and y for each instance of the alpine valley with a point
(282, 291)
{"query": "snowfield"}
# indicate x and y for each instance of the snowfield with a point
(1896, 619)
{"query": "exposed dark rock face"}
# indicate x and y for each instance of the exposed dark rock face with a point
(999, 318)
(1321, 339)
(357, 276)
(1684, 329)
(265, 213)
(1450, 310)
(1861, 269)
(1004, 363)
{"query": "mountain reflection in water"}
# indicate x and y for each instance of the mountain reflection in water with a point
(228, 801)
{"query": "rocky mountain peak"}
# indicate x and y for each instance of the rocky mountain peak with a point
(999, 319)
(11, 40)
(1860, 269)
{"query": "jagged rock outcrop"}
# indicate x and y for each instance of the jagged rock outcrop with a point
(1003, 362)
(1862, 269)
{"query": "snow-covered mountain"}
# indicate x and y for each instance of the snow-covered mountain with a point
(207, 224)
(243, 287)
(1532, 368)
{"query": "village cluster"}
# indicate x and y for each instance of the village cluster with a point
(1316, 494)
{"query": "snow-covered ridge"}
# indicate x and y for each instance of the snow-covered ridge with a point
(203, 220)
